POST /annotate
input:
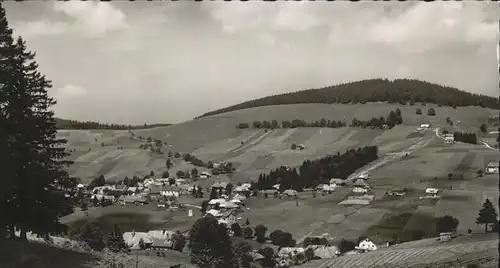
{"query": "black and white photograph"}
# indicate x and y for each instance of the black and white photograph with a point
(249, 134)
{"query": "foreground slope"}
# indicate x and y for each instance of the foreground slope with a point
(216, 138)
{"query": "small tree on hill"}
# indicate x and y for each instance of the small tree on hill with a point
(431, 112)
(115, 240)
(204, 206)
(483, 128)
(165, 174)
(91, 235)
(487, 215)
(168, 163)
(446, 224)
(346, 245)
(194, 172)
(235, 227)
(418, 111)
(260, 233)
(247, 232)
(178, 241)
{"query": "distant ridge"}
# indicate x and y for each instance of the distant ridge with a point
(404, 91)
(73, 124)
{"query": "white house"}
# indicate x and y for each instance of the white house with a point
(431, 191)
(364, 176)
(132, 239)
(361, 190)
(449, 138)
(366, 245)
(424, 126)
(492, 168)
(289, 193)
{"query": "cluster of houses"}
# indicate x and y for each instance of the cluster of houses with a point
(289, 256)
(154, 239)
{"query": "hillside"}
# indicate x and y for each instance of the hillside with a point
(216, 138)
(73, 124)
(374, 90)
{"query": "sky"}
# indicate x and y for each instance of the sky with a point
(158, 62)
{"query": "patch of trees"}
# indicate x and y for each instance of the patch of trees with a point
(465, 137)
(313, 173)
(193, 160)
(223, 168)
(74, 124)
(446, 224)
(296, 123)
(483, 128)
(431, 112)
(210, 245)
(402, 91)
(394, 118)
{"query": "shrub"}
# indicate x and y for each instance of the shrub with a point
(418, 111)
(431, 112)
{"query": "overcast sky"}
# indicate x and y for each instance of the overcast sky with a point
(131, 63)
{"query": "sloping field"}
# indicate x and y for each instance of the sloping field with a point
(216, 138)
(408, 256)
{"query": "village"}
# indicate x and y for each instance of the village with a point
(227, 202)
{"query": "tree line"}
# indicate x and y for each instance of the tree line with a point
(394, 118)
(402, 91)
(313, 173)
(74, 124)
(296, 123)
(465, 137)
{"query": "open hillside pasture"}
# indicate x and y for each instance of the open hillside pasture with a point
(216, 138)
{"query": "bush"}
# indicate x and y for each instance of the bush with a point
(483, 128)
(446, 224)
(346, 245)
(260, 233)
(431, 112)
(235, 227)
(247, 232)
(418, 111)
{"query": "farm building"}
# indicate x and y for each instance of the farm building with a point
(361, 183)
(290, 252)
(337, 182)
(206, 173)
(238, 197)
(270, 192)
(424, 127)
(160, 239)
(324, 252)
(396, 191)
(242, 189)
(364, 176)
(360, 190)
(431, 191)
(219, 185)
(492, 168)
(366, 245)
(132, 239)
(289, 193)
(449, 138)
(325, 188)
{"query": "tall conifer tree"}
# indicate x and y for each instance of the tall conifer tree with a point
(32, 156)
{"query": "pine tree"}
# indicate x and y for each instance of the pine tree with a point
(91, 235)
(487, 215)
(33, 157)
(115, 240)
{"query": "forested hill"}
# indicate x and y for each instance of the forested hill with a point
(73, 124)
(404, 91)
